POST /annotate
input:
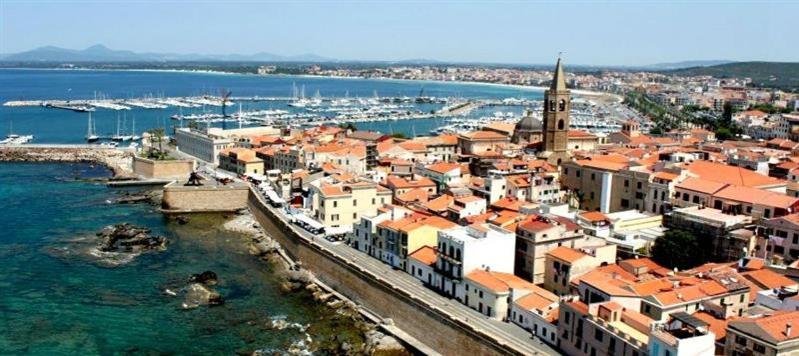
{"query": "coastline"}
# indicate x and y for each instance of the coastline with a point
(226, 73)
(117, 161)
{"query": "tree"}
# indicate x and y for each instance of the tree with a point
(726, 114)
(398, 135)
(157, 135)
(348, 126)
(680, 249)
(723, 133)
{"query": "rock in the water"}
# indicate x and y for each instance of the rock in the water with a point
(379, 343)
(182, 220)
(208, 278)
(128, 238)
(198, 294)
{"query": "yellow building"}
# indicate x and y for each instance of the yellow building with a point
(398, 238)
(240, 160)
(342, 203)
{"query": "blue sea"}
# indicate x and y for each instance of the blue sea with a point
(60, 126)
(56, 300)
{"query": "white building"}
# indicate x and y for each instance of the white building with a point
(201, 145)
(466, 248)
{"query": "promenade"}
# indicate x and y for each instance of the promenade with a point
(511, 337)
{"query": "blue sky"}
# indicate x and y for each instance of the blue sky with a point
(588, 32)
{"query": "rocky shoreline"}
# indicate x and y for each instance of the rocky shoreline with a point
(297, 279)
(118, 161)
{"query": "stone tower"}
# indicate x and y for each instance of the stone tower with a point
(557, 102)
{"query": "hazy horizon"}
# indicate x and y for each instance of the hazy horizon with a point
(589, 33)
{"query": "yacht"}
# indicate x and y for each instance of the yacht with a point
(14, 139)
(91, 135)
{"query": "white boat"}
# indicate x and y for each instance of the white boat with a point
(14, 139)
(91, 135)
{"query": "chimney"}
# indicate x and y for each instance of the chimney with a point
(788, 328)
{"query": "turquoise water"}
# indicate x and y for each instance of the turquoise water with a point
(55, 300)
(61, 126)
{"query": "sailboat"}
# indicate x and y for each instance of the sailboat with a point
(117, 137)
(134, 136)
(91, 135)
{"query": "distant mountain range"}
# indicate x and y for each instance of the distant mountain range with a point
(100, 53)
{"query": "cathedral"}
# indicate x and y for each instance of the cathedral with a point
(553, 132)
(557, 103)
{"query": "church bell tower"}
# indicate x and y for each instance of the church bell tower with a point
(557, 103)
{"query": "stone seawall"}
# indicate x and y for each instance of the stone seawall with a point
(419, 320)
(119, 161)
(209, 198)
(171, 169)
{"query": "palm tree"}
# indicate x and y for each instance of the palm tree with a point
(157, 134)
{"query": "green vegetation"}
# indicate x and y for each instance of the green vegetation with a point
(348, 126)
(770, 109)
(664, 118)
(779, 75)
(399, 135)
(157, 136)
(681, 249)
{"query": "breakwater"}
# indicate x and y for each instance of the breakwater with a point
(421, 320)
(119, 161)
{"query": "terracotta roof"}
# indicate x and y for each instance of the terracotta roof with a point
(397, 182)
(443, 167)
(501, 126)
(425, 254)
(564, 253)
(439, 204)
(539, 298)
(414, 146)
(498, 282)
(666, 176)
(701, 185)
(768, 279)
(769, 328)
(594, 216)
(580, 134)
(413, 195)
(605, 165)
(484, 135)
(722, 173)
(756, 196)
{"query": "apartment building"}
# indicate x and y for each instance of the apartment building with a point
(201, 145)
(342, 203)
(602, 329)
(466, 248)
(772, 335)
(564, 264)
(241, 161)
(543, 233)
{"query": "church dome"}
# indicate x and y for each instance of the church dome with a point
(528, 123)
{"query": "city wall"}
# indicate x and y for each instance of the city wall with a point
(214, 198)
(421, 321)
(170, 169)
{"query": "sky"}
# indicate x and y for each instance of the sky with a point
(530, 32)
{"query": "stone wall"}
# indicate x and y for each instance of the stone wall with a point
(180, 198)
(117, 160)
(170, 169)
(418, 319)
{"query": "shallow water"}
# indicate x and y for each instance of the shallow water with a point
(52, 304)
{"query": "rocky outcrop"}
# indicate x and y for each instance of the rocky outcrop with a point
(198, 294)
(128, 238)
(119, 161)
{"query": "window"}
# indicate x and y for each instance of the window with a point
(561, 124)
(740, 340)
(562, 105)
(639, 185)
(625, 203)
(599, 335)
(355, 202)
(593, 176)
(626, 182)
(759, 348)
(696, 199)
(335, 204)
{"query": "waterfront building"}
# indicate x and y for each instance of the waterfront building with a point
(241, 161)
(557, 103)
(341, 203)
(466, 248)
(604, 329)
(201, 145)
(365, 238)
(400, 237)
(537, 312)
(422, 263)
(493, 293)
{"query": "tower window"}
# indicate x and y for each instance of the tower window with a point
(552, 105)
(562, 105)
(560, 124)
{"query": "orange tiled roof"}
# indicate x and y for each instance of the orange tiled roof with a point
(484, 135)
(594, 216)
(768, 279)
(443, 167)
(564, 253)
(701, 185)
(425, 255)
(770, 328)
(756, 196)
(498, 282)
(722, 173)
